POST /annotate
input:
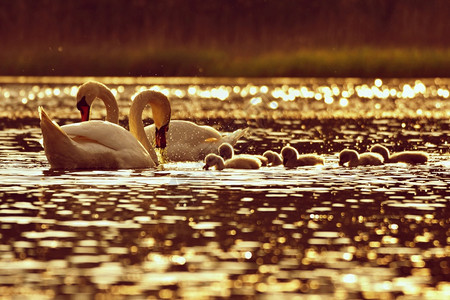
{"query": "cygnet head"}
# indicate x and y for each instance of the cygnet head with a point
(273, 158)
(289, 154)
(347, 155)
(226, 151)
(381, 150)
(214, 160)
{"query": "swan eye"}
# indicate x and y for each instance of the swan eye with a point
(82, 103)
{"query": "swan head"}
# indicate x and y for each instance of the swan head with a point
(381, 150)
(87, 93)
(226, 151)
(161, 113)
(214, 160)
(347, 155)
(289, 153)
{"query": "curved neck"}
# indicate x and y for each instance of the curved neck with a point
(137, 126)
(112, 108)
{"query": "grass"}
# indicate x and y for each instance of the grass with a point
(146, 61)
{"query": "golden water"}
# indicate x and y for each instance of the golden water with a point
(181, 232)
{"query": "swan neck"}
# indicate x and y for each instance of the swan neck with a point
(137, 126)
(112, 108)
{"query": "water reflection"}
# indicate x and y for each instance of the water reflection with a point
(181, 232)
(287, 98)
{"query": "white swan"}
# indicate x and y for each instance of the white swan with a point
(226, 151)
(273, 158)
(409, 157)
(187, 141)
(92, 90)
(291, 158)
(355, 159)
(104, 145)
(241, 162)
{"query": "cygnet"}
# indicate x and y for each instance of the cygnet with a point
(238, 162)
(273, 158)
(355, 159)
(409, 157)
(291, 158)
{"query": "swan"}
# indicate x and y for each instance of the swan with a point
(410, 157)
(273, 158)
(104, 145)
(187, 141)
(354, 159)
(226, 151)
(240, 162)
(91, 90)
(292, 159)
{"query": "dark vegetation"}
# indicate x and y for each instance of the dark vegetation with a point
(225, 38)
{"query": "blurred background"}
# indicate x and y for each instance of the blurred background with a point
(360, 38)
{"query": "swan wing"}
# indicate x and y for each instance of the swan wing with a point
(102, 132)
(187, 141)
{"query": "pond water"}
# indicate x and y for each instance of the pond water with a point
(179, 231)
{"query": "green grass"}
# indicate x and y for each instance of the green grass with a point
(139, 61)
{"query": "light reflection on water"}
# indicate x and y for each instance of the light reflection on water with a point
(181, 232)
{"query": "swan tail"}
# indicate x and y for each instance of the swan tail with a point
(50, 128)
(55, 140)
(233, 137)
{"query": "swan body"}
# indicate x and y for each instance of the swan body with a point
(409, 157)
(187, 141)
(92, 90)
(226, 151)
(291, 158)
(240, 162)
(355, 159)
(104, 145)
(273, 158)
(91, 145)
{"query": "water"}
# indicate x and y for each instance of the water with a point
(181, 232)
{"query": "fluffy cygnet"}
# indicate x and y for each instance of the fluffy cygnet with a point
(273, 158)
(226, 151)
(238, 162)
(409, 157)
(292, 159)
(354, 159)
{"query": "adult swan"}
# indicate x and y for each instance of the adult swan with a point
(104, 145)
